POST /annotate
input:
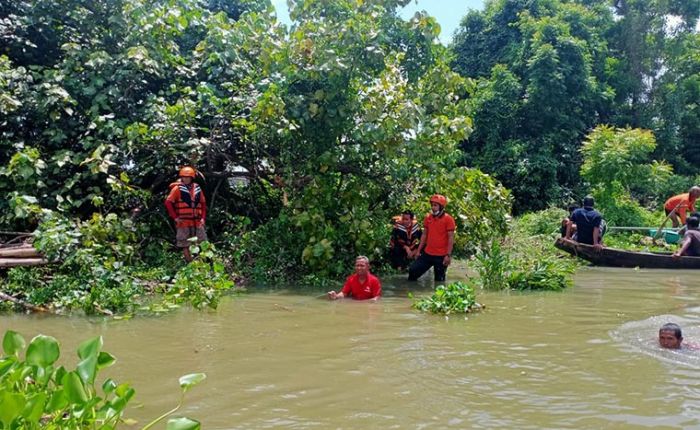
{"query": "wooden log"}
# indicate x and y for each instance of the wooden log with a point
(19, 252)
(17, 301)
(13, 262)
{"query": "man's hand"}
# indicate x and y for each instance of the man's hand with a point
(332, 295)
(598, 247)
(676, 255)
(446, 260)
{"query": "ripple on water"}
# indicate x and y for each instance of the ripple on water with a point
(641, 336)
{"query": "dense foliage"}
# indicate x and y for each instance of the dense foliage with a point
(308, 138)
(549, 71)
(38, 393)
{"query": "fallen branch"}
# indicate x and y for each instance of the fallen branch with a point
(25, 305)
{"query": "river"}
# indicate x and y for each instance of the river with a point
(582, 358)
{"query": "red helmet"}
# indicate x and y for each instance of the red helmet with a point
(439, 199)
(187, 172)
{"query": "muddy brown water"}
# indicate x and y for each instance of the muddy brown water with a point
(583, 358)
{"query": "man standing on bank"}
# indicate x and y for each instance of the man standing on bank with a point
(187, 206)
(435, 248)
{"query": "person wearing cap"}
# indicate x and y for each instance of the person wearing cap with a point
(677, 206)
(187, 206)
(589, 224)
(436, 242)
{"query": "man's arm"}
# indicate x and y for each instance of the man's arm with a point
(335, 296)
(684, 248)
(343, 293)
(377, 290)
(450, 244)
(423, 237)
(596, 238)
(170, 202)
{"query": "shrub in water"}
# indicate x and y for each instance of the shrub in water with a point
(457, 297)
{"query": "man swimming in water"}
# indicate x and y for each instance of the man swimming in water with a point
(670, 336)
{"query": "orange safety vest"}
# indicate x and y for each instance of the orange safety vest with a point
(188, 203)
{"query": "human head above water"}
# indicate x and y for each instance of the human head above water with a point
(588, 202)
(361, 265)
(693, 223)
(670, 336)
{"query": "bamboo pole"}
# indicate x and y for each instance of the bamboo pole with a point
(12, 262)
(19, 252)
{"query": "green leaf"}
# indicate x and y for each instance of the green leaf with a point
(11, 407)
(105, 359)
(42, 351)
(34, 408)
(189, 381)
(182, 424)
(90, 347)
(108, 386)
(87, 369)
(74, 389)
(58, 401)
(13, 343)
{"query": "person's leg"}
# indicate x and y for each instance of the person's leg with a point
(397, 258)
(439, 269)
(674, 220)
(419, 267)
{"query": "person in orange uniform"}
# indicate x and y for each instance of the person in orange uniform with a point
(361, 285)
(436, 243)
(187, 206)
(677, 205)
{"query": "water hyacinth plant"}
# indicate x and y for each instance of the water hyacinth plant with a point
(37, 393)
(457, 297)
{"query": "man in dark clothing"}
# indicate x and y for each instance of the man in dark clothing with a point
(588, 223)
(404, 240)
(691, 239)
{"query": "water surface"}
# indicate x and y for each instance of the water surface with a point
(584, 358)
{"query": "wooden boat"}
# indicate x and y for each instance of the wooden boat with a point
(620, 258)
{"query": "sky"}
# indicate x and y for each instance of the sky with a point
(447, 12)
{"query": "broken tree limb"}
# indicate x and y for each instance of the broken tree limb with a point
(25, 305)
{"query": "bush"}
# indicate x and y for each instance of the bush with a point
(547, 221)
(99, 271)
(457, 297)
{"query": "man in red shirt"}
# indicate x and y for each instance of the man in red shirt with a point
(361, 285)
(436, 243)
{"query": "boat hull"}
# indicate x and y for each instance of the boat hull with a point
(612, 257)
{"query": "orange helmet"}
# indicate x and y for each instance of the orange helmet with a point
(187, 172)
(439, 199)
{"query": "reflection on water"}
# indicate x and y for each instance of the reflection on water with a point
(584, 358)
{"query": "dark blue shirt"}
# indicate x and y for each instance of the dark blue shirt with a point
(586, 219)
